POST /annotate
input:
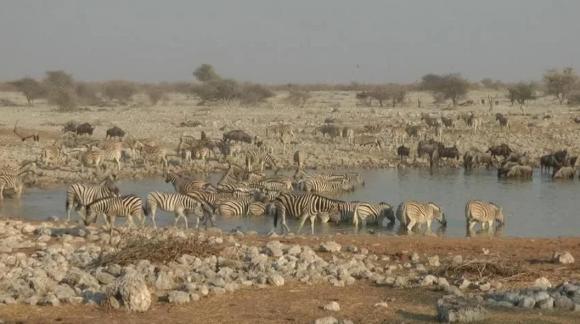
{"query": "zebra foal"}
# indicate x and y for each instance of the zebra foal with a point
(126, 206)
(484, 213)
(411, 213)
(174, 202)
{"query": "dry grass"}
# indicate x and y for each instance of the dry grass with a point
(482, 270)
(157, 249)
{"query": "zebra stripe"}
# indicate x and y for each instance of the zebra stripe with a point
(256, 208)
(324, 185)
(412, 212)
(303, 206)
(261, 158)
(477, 211)
(370, 213)
(126, 206)
(174, 202)
(234, 207)
(79, 195)
(184, 185)
(10, 181)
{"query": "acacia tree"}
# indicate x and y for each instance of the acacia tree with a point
(30, 88)
(449, 86)
(395, 93)
(61, 90)
(560, 83)
(205, 73)
(521, 92)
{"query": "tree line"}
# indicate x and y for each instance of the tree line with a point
(62, 90)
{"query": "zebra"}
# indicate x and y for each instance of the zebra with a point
(322, 185)
(348, 133)
(272, 184)
(184, 184)
(126, 206)
(11, 181)
(256, 208)
(174, 202)
(261, 158)
(412, 212)
(154, 153)
(81, 195)
(53, 154)
(477, 211)
(299, 160)
(234, 207)
(95, 157)
(303, 206)
(372, 213)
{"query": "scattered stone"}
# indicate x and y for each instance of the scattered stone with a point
(276, 280)
(332, 307)
(428, 280)
(455, 309)
(178, 297)
(274, 248)
(465, 284)
(326, 320)
(442, 282)
(433, 261)
(382, 305)
(130, 289)
(415, 257)
(330, 246)
(547, 303)
(457, 260)
(563, 258)
(485, 287)
(563, 302)
(542, 283)
(527, 302)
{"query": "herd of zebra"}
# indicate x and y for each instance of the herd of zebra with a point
(240, 193)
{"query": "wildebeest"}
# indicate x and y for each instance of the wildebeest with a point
(447, 122)
(115, 132)
(330, 130)
(503, 120)
(403, 151)
(85, 128)
(238, 135)
(449, 152)
(428, 147)
(555, 160)
(500, 150)
(430, 121)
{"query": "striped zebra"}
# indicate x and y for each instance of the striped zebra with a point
(234, 207)
(412, 212)
(184, 184)
(319, 184)
(260, 158)
(95, 156)
(303, 206)
(174, 202)
(477, 211)
(11, 181)
(53, 155)
(79, 195)
(126, 206)
(272, 184)
(155, 154)
(370, 213)
(257, 208)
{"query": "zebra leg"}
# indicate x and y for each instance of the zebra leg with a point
(302, 221)
(410, 225)
(2, 192)
(312, 220)
(470, 225)
(152, 211)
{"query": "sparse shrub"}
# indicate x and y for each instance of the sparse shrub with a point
(217, 90)
(118, 90)
(30, 88)
(522, 92)
(450, 86)
(297, 97)
(391, 92)
(87, 94)
(155, 93)
(180, 87)
(574, 98)
(560, 83)
(61, 92)
(492, 84)
(252, 93)
(206, 73)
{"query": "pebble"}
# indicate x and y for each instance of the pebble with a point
(563, 258)
(332, 307)
(542, 283)
(326, 320)
(330, 246)
(178, 297)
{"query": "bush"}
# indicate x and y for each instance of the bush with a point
(522, 92)
(30, 88)
(155, 93)
(121, 91)
(298, 98)
(251, 93)
(392, 92)
(87, 93)
(61, 91)
(64, 99)
(574, 98)
(450, 86)
(206, 73)
(492, 84)
(560, 83)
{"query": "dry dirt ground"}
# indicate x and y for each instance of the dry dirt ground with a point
(300, 303)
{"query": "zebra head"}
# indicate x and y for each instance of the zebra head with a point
(387, 212)
(438, 214)
(499, 217)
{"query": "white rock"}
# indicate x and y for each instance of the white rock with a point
(276, 280)
(382, 305)
(543, 283)
(330, 246)
(563, 258)
(326, 320)
(332, 307)
(133, 291)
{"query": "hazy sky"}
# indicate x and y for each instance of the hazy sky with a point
(289, 41)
